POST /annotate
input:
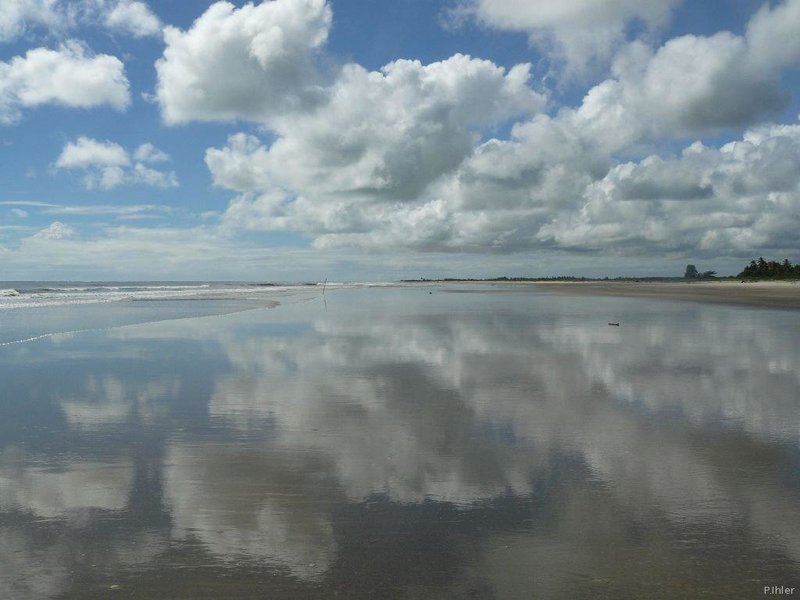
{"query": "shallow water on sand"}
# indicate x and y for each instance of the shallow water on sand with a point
(391, 443)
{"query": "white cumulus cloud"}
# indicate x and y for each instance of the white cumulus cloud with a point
(384, 134)
(132, 17)
(526, 194)
(578, 30)
(70, 76)
(86, 152)
(55, 231)
(742, 196)
(772, 34)
(147, 153)
(253, 62)
(692, 84)
(17, 15)
(107, 165)
(394, 159)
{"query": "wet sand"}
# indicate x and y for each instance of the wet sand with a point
(390, 443)
(772, 294)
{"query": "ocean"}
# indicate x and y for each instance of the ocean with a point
(33, 294)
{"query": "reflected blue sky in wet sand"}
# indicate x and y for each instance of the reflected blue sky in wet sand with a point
(496, 443)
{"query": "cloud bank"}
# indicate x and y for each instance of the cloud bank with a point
(675, 148)
(403, 158)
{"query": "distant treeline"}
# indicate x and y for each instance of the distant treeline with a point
(533, 279)
(771, 269)
(490, 279)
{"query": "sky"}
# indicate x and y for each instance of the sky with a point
(362, 140)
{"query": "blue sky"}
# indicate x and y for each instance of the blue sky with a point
(304, 139)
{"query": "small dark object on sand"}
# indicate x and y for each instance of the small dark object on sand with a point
(614, 324)
(430, 292)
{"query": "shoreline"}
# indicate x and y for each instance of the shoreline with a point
(765, 294)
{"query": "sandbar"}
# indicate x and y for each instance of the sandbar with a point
(770, 294)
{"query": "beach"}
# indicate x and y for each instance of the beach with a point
(396, 442)
(772, 294)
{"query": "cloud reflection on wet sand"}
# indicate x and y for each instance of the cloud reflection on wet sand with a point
(544, 431)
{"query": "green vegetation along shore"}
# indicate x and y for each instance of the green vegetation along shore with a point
(763, 269)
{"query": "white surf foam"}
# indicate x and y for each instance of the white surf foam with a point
(74, 295)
